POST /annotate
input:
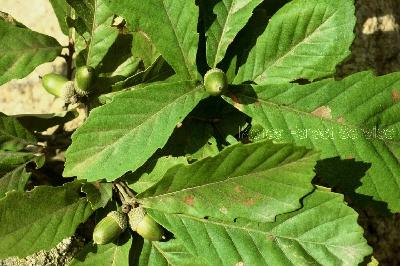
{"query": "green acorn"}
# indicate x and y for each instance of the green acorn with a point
(110, 227)
(83, 80)
(54, 83)
(144, 225)
(59, 86)
(215, 82)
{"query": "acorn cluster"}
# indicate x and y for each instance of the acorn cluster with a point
(70, 91)
(116, 222)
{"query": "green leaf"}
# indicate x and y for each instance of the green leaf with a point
(171, 26)
(222, 22)
(158, 71)
(143, 48)
(125, 69)
(303, 40)
(129, 130)
(40, 219)
(193, 139)
(167, 253)
(112, 254)
(9, 19)
(353, 118)
(254, 181)
(98, 19)
(22, 50)
(151, 172)
(98, 194)
(344, 176)
(61, 9)
(118, 64)
(224, 118)
(13, 174)
(14, 180)
(13, 136)
(9, 160)
(323, 232)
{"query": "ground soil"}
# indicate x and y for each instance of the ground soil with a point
(376, 47)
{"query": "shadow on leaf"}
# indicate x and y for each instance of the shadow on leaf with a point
(344, 176)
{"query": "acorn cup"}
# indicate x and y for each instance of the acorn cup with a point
(110, 227)
(83, 80)
(144, 225)
(215, 82)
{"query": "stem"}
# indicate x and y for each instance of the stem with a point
(126, 194)
(71, 45)
(68, 59)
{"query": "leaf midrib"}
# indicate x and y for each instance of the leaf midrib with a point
(177, 40)
(305, 158)
(129, 132)
(269, 232)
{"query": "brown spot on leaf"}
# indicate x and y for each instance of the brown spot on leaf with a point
(270, 237)
(237, 189)
(189, 200)
(240, 263)
(395, 95)
(237, 103)
(257, 104)
(323, 112)
(341, 120)
(350, 157)
(97, 185)
(249, 202)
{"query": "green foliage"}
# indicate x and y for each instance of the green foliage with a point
(97, 19)
(339, 118)
(231, 17)
(24, 231)
(144, 118)
(167, 253)
(13, 173)
(230, 179)
(324, 232)
(178, 39)
(62, 10)
(22, 50)
(110, 254)
(304, 39)
(243, 181)
(13, 136)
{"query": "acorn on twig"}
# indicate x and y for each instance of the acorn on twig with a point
(110, 227)
(144, 225)
(215, 82)
(59, 86)
(84, 76)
